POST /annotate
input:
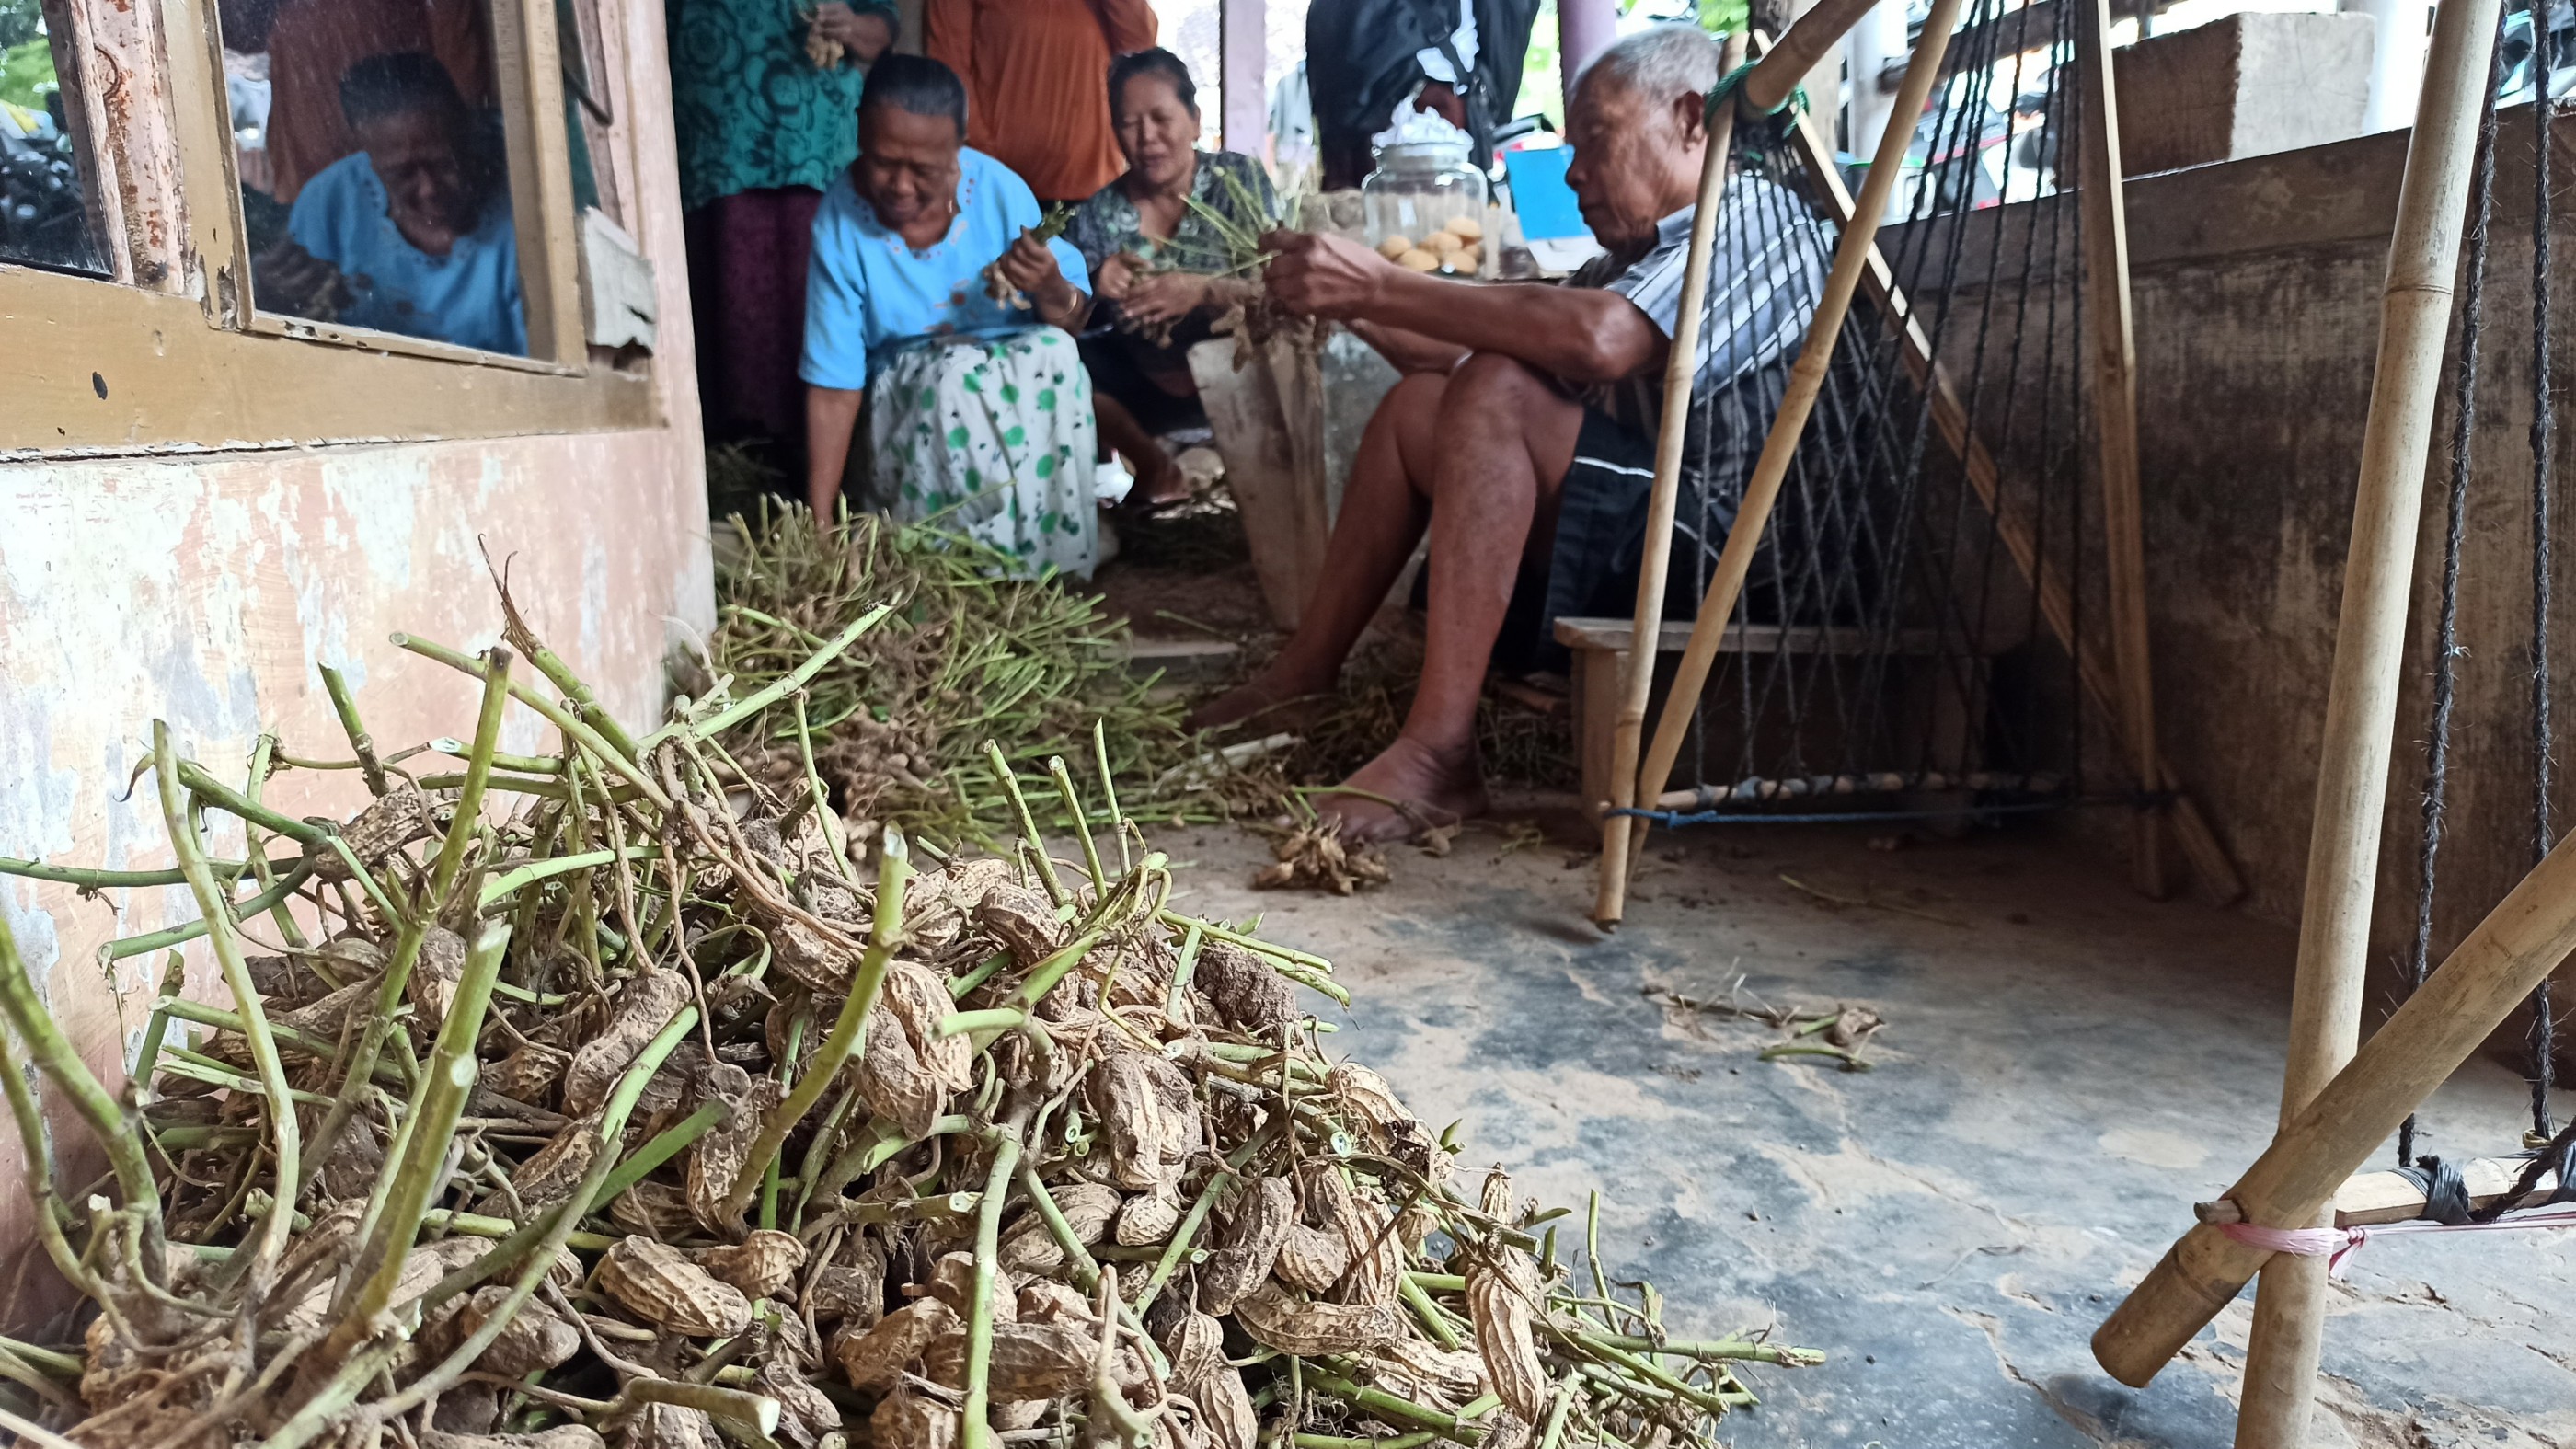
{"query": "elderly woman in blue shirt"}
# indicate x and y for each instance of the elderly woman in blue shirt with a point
(415, 223)
(931, 301)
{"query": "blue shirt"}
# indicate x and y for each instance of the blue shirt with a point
(469, 297)
(866, 292)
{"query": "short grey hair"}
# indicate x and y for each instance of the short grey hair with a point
(1659, 64)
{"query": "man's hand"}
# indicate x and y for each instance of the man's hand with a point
(1323, 275)
(865, 37)
(1165, 297)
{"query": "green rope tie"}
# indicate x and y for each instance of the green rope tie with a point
(1733, 81)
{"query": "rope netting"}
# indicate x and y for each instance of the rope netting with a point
(1891, 639)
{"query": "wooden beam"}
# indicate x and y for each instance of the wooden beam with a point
(2111, 342)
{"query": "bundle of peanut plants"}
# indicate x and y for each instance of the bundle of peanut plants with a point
(967, 656)
(605, 1094)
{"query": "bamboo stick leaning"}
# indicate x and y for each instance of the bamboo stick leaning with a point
(2528, 935)
(1681, 370)
(2370, 659)
(1772, 81)
(1762, 490)
(2111, 339)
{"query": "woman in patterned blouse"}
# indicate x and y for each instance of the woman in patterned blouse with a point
(1162, 270)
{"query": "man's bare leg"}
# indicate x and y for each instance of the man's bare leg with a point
(1385, 507)
(1503, 442)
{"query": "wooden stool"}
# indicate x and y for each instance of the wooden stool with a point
(1601, 646)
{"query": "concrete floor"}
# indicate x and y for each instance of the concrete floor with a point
(2065, 1070)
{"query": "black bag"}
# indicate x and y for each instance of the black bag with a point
(1361, 63)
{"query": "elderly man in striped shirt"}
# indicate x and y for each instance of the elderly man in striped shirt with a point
(1521, 437)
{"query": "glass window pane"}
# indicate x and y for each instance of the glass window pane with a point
(375, 185)
(47, 217)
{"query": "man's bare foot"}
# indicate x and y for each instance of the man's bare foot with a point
(1262, 704)
(1432, 788)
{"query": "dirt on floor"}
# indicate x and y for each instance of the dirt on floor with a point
(2064, 1069)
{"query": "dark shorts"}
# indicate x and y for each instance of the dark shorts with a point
(1123, 366)
(1591, 570)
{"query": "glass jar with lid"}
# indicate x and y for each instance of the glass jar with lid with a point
(1426, 207)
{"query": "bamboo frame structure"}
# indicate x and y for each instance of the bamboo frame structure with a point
(2361, 704)
(2111, 338)
(1681, 369)
(2200, 844)
(2526, 937)
(1753, 513)
(1771, 83)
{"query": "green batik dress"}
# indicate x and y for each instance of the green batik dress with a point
(991, 437)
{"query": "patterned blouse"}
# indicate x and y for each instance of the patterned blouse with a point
(751, 109)
(1232, 185)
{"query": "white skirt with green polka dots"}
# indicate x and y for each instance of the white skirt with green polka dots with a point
(991, 437)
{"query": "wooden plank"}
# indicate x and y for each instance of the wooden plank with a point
(102, 367)
(527, 60)
(1617, 634)
(2200, 843)
(2111, 341)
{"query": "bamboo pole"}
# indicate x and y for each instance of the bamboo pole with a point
(1753, 514)
(2200, 843)
(2526, 937)
(1681, 371)
(2361, 703)
(1803, 46)
(2112, 341)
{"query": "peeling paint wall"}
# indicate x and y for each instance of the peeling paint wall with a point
(205, 589)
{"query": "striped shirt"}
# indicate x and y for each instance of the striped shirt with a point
(1766, 269)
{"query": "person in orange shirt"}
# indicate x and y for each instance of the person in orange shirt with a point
(312, 44)
(1036, 75)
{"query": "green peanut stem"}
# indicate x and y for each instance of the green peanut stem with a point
(979, 1315)
(665, 1145)
(1713, 1350)
(439, 1100)
(777, 689)
(573, 729)
(478, 774)
(1028, 824)
(501, 887)
(108, 880)
(849, 1030)
(181, 935)
(1081, 827)
(36, 1164)
(193, 778)
(360, 742)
